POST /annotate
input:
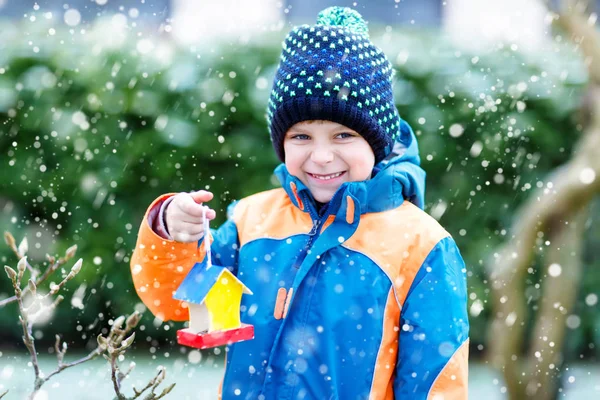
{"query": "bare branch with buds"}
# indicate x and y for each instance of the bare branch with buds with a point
(36, 275)
(117, 343)
(119, 340)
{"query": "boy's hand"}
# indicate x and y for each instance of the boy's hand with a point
(184, 216)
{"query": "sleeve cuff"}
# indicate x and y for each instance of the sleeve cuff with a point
(156, 219)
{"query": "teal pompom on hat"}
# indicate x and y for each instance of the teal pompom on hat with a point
(343, 16)
(332, 71)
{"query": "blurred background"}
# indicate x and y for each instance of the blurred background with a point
(106, 104)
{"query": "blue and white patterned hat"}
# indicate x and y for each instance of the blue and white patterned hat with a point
(332, 71)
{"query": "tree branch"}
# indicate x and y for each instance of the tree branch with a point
(53, 266)
(116, 344)
(572, 192)
(560, 293)
(573, 18)
(61, 366)
(28, 339)
(114, 369)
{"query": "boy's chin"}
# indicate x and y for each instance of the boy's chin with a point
(322, 196)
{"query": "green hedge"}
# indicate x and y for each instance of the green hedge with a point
(90, 134)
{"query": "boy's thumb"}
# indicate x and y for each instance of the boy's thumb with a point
(201, 196)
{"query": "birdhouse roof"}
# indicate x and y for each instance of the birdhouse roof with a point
(200, 280)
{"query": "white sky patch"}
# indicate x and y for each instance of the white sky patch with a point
(203, 21)
(514, 22)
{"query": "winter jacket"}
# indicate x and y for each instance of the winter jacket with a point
(365, 299)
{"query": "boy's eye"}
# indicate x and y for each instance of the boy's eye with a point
(300, 136)
(345, 135)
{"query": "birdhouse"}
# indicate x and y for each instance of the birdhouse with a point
(213, 295)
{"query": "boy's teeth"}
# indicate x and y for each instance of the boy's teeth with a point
(326, 177)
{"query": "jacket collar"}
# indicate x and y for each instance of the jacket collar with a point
(396, 178)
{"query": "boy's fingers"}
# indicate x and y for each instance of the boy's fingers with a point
(196, 219)
(189, 228)
(201, 196)
(210, 213)
(187, 238)
(190, 207)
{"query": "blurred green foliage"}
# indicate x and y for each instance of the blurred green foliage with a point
(92, 131)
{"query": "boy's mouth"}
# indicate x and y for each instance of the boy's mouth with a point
(326, 177)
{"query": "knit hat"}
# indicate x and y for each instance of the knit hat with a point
(332, 71)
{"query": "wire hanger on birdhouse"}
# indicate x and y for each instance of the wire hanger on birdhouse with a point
(206, 238)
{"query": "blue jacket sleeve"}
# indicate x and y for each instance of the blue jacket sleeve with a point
(434, 329)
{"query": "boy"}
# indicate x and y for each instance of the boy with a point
(358, 294)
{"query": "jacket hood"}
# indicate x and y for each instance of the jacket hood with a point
(398, 177)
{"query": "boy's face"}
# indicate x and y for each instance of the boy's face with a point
(325, 154)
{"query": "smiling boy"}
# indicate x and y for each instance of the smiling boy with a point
(325, 154)
(359, 294)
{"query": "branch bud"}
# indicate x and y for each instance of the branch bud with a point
(22, 265)
(102, 342)
(12, 274)
(125, 344)
(70, 252)
(10, 240)
(32, 288)
(162, 373)
(118, 322)
(23, 247)
(168, 389)
(77, 267)
(133, 320)
(51, 259)
(54, 288)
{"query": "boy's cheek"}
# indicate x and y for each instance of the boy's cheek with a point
(292, 160)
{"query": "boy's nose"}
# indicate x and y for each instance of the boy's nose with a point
(322, 155)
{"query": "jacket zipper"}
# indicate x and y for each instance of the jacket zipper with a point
(312, 236)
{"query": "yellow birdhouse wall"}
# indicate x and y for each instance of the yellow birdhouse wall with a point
(223, 303)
